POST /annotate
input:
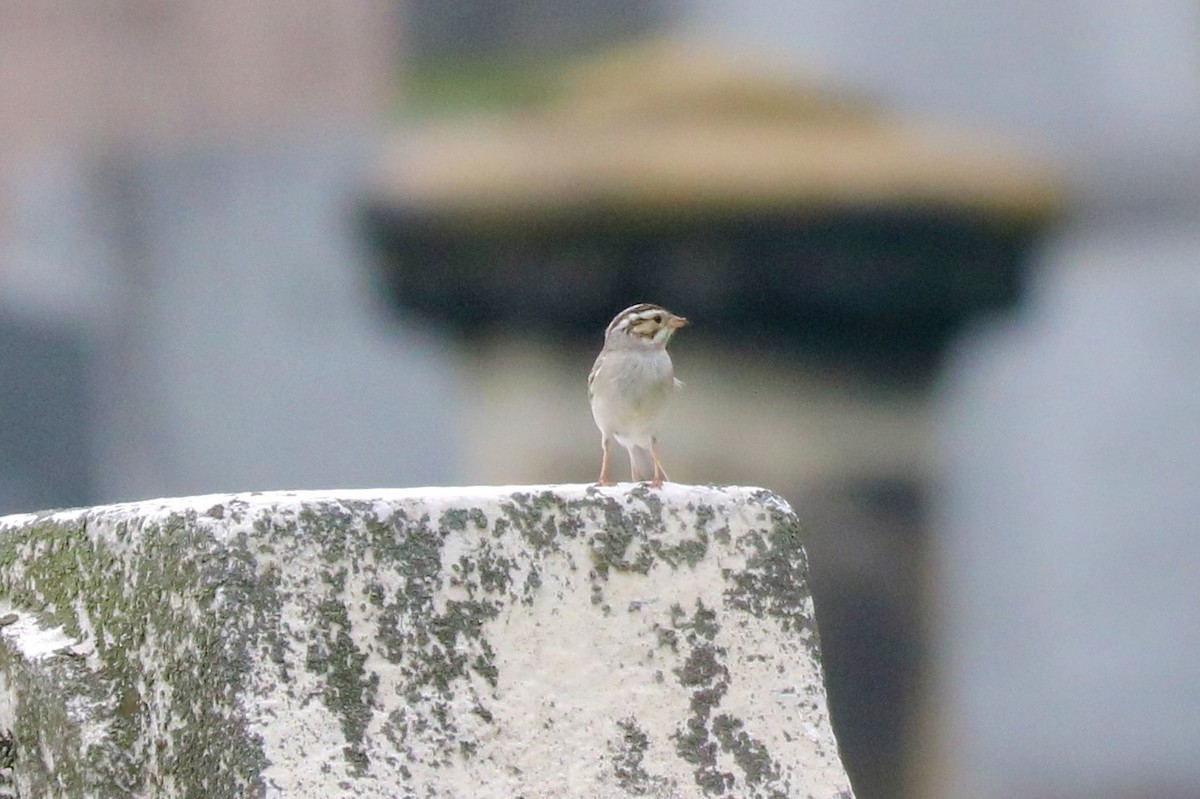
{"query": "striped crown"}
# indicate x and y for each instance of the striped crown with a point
(647, 321)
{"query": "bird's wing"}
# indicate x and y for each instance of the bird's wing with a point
(595, 371)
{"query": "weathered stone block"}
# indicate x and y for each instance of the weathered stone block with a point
(559, 641)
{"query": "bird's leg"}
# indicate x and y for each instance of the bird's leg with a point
(659, 475)
(604, 481)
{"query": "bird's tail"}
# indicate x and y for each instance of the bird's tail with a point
(641, 459)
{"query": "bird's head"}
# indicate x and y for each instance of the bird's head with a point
(645, 322)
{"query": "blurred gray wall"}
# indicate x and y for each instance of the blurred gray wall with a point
(1068, 535)
(1090, 81)
(183, 308)
(246, 351)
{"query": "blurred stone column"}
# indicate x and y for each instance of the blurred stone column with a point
(1068, 624)
(1068, 613)
(178, 192)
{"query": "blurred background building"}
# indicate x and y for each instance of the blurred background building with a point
(178, 258)
(301, 244)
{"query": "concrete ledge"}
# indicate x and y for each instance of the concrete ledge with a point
(559, 641)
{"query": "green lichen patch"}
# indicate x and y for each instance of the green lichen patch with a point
(774, 582)
(437, 645)
(459, 518)
(751, 755)
(349, 690)
(536, 519)
(705, 675)
(133, 592)
(706, 738)
(687, 552)
(627, 753)
(611, 546)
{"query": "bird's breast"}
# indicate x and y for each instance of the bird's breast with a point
(632, 388)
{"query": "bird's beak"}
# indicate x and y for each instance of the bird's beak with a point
(676, 322)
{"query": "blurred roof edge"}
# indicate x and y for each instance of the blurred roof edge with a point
(667, 126)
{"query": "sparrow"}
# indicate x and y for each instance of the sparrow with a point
(629, 384)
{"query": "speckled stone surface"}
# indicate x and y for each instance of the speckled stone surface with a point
(537, 641)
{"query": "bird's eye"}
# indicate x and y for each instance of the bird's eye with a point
(658, 318)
